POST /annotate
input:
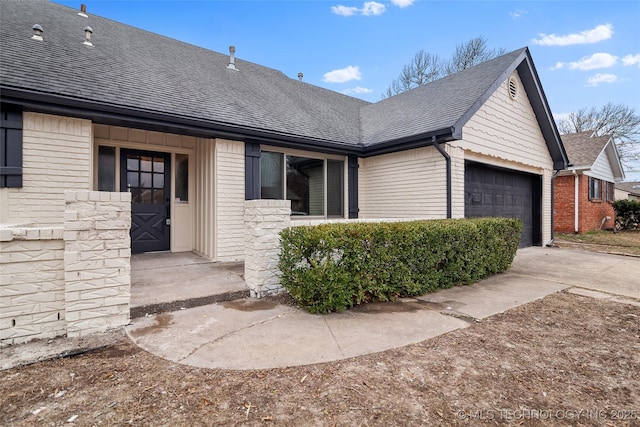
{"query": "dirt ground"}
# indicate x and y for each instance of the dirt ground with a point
(563, 360)
(623, 242)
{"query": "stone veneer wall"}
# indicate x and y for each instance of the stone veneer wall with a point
(72, 280)
(264, 219)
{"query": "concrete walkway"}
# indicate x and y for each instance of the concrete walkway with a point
(260, 334)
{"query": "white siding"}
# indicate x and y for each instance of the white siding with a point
(504, 132)
(204, 239)
(229, 196)
(182, 215)
(407, 184)
(601, 168)
(56, 157)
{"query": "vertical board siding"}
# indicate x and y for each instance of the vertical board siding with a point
(407, 184)
(56, 157)
(205, 208)
(229, 200)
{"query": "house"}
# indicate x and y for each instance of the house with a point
(585, 191)
(95, 111)
(627, 190)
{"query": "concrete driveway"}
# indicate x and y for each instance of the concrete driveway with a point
(260, 334)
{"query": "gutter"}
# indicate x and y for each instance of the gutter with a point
(447, 159)
(553, 209)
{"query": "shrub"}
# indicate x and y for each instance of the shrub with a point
(331, 267)
(627, 214)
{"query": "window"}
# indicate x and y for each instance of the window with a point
(595, 189)
(610, 191)
(314, 186)
(182, 178)
(106, 168)
(10, 147)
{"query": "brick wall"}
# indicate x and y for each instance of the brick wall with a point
(56, 156)
(590, 212)
(72, 280)
(563, 204)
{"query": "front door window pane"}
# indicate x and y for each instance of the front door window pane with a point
(145, 164)
(305, 185)
(271, 172)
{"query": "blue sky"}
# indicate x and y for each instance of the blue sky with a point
(587, 53)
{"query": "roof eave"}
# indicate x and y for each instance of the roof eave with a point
(531, 82)
(407, 143)
(103, 113)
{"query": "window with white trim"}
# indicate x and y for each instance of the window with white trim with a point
(315, 186)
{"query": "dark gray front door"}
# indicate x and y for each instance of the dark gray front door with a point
(145, 175)
(495, 192)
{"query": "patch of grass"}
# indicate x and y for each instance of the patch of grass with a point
(627, 242)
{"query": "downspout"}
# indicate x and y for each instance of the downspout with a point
(447, 159)
(576, 197)
(553, 209)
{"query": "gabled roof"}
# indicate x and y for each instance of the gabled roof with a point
(629, 187)
(137, 78)
(584, 148)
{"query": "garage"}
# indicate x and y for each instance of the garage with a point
(497, 192)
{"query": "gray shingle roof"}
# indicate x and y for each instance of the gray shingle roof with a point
(144, 75)
(145, 71)
(582, 148)
(631, 187)
(434, 106)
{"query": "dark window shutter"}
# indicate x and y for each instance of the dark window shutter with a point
(353, 186)
(251, 171)
(10, 147)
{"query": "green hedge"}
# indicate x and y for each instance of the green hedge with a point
(627, 214)
(331, 267)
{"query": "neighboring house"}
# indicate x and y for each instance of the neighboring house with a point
(192, 134)
(628, 190)
(585, 191)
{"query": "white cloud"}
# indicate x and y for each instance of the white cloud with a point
(402, 3)
(344, 10)
(357, 90)
(373, 8)
(518, 13)
(369, 8)
(601, 78)
(631, 60)
(342, 75)
(593, 62)
(597, 34)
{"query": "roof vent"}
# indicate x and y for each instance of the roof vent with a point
(87, 34)
(232, 58)
(83, 11)
(513, 87)
(37, 32)
(300, 75)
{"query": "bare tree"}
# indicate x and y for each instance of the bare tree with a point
(426, 67)
(471, 53)
(618, 120)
